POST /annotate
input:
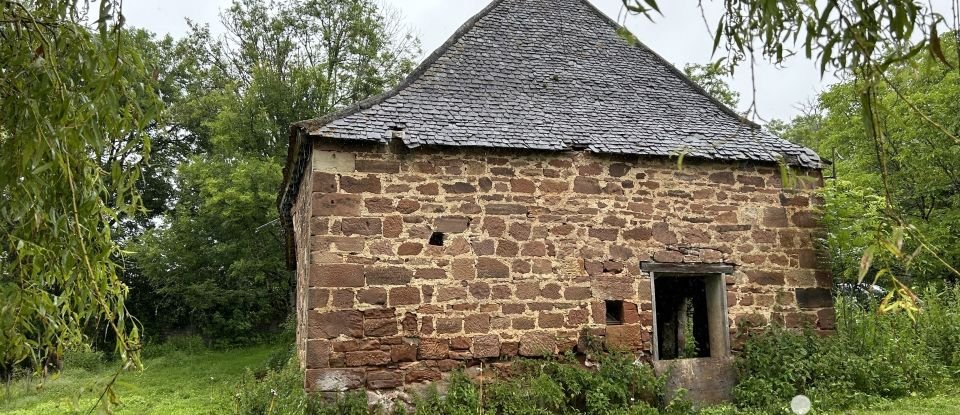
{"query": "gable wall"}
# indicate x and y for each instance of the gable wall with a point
(535, 242)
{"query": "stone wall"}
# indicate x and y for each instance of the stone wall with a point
(533, 243)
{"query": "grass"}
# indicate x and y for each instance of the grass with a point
(203, 383)
(175, 383)
(940, 404)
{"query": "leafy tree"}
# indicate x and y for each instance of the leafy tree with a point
(921, 168)
(75, 102)
(216, 263)
(711, 77)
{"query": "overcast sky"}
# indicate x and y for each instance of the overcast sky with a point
(680, 36)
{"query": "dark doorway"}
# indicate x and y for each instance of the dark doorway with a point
(683, 323)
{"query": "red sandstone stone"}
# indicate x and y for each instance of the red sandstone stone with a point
(336, 204)
(423, 376)
(369, 184)
(376, 275)
(404, 296)
(449, 325)
(410, 248)
(477, 323)
(433, 349)
(486, 346)
(492, 268)
(537, 344)
(324, 182)
(337, 275)
(384, 379)
(366, 358)
(775, 217)
(407, 206)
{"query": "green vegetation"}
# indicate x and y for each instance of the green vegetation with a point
(872, 357)
(189, 381)
(230, 103)
(75, 102)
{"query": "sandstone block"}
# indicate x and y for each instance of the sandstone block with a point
(366, 358)
(369, 184)
(361, 226)
(380, 327)
(534, 344)
(324, 182)
(387, 275)
(384, 379)
(766, 277)
(334, 380)
(486, 346)
(451, 224)
(336, 204)
(410, 248)
(477, 323)
(433, 349)
(337, 275)
(775, 217)
(372, 296)
(404, 296)
(423, 376)
(624, 337)
(492, 268)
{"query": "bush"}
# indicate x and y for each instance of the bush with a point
(187, 344)
(552, 386)
(83, 358)
(281, 392)
(873, 356)
(560, 386)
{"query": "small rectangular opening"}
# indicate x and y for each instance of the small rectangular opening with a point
(614, 312)
(690, 316)
(436, 239)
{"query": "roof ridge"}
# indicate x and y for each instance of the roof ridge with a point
(699, 89)
(409, 80)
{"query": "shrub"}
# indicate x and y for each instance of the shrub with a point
(187, 344)
(559, 386)
(83, 358)
(533, 387)
(872, 356)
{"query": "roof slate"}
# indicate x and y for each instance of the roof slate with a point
(556, 75)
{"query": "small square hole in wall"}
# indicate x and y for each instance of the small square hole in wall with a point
(436, 239)
(614, 312)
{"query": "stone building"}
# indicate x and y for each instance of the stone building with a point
(522, 190)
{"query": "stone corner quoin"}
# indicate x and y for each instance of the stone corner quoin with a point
(411, 263)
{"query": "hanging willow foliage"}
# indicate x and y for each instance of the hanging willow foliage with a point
(69, 93)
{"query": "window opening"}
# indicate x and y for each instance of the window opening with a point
(614, 312)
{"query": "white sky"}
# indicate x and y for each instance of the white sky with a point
(680, 36)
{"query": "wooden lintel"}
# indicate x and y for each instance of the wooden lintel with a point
(686, 268)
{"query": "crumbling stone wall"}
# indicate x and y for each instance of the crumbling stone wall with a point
(533, 243)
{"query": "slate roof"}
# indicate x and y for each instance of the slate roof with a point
(556, 75)
(547, 75)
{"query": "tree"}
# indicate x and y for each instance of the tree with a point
(710, 77)
(68, 95)
(921, 168)
(216, 264)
